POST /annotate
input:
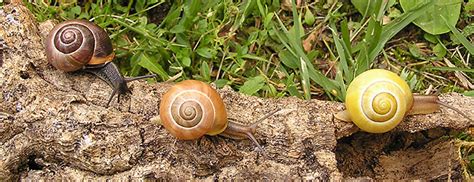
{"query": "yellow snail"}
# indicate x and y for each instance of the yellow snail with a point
(191, 109)
(82, 45)
(378, 100)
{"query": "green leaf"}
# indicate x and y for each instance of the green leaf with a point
(76, 10)
(442, 68)
(305, 80)
(153, 66)
(252, 85)
(431, 21)
(308, 17)
(469, 93)
(470, 157)
(363, 61)
(186, 61)
(221, 83)
(134, 60)
(267, 19)
(139, 5)
(288, 59)
(295, 48)
(346, 37)
(367, 7)
(415, 51)
(183, 55)
(469, 6)
(468, 30)
(179, 28)
(373, 35)
(206, 74)
(205, 52)
(391, 29)
(439, 50)
(431, 38)
(343, 56)
(290, 85)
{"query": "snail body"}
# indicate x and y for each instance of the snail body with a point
(82, 45)
(378, 100)
(191, 109)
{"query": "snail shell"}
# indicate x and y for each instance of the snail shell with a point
(378, 100)
(191, 109)
(75, 43)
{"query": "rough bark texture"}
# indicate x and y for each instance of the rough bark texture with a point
(55, 125)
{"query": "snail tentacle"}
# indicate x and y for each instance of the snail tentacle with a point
(455, 109)
(235, 130)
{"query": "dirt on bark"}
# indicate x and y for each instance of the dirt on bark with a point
(55, 125)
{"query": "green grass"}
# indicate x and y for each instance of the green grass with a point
(257, 47)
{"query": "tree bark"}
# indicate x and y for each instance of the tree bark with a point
(56, 125)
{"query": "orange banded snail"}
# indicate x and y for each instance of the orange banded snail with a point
(191, 109)
(82, 45)
(378, 100)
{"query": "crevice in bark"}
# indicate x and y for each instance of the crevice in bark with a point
(32, 164)
(397, 155)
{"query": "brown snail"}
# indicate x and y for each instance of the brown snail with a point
(378, 100)
(82, 45)
(191, 109)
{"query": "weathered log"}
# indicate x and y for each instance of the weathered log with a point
(55, 125)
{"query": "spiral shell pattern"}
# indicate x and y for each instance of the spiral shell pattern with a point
(73, 44)
(378, 100)
(191, 109)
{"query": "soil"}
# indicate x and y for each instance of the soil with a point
(55, 125)
(158, 13)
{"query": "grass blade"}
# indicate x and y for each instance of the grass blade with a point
(297, 51)
(396, 25)
(305, 79)
(469, 46)
(467, 70)
(146, 62)
(341, 51)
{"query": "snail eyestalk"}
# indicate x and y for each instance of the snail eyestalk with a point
(236, 130)
(454, 109)
(254, 125)
(139, 77)
(426, 104)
